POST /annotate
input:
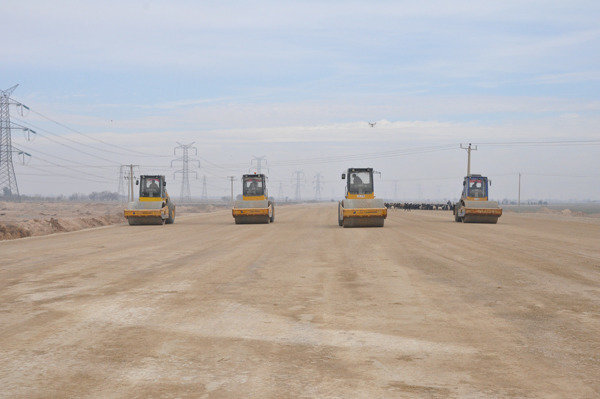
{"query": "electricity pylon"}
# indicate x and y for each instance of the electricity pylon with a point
(258, 161)
(185, 160)
(318, 184)
(8, 179)
(300, 180)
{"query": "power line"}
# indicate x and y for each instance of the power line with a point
(208, 171)
(38, 129)
(319, 160)
(58, 138)
(61, 158)
(72, 169)
(346, 157)
(543, 142)
(79, 178)
(549, 175)
(407, 151)
(141, 153)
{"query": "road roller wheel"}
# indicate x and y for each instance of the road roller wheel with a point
(171, 218)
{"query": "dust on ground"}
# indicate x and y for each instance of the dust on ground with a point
(587, 209)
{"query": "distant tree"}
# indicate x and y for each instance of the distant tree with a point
(103, 196)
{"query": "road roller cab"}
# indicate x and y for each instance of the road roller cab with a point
(255, 206)
(474, 205)
(154, 206)
(360, 208)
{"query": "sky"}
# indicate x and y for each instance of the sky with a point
(298, 82)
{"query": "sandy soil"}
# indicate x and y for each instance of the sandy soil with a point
(588, 209)
(423, 307)
(41, 218)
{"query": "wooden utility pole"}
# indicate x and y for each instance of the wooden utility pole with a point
(469, 149)
(231, 178)
(519, 199)
(131, 183)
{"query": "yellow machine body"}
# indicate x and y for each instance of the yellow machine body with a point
(254, 197)
(474, 205)
(365, 213)
(154, 206)
(255, 206)
(360, 208)
(250, 212)
(360, 196)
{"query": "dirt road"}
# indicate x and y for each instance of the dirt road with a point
(423, 307)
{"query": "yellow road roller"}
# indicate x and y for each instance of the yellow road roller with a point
(154, 206)
(474, 206)
(255, 206)
(360, 208)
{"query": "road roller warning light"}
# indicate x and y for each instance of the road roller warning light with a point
(360, 208)
(255, 206)
(154, 206)
(474, 206)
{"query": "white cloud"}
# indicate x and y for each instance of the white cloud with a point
(296, 80)
(221, 115)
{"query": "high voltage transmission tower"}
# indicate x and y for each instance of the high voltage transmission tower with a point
(204, 190)
(318, 184)
(8, 179)
(185, 160)
(280, 192)
(258, 161)
(300, 180)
